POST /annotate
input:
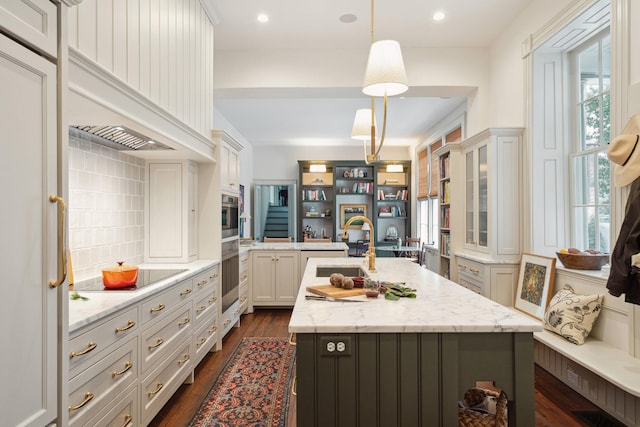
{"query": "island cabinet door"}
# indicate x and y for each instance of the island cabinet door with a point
(378, 380)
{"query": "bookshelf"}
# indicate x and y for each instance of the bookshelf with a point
(384, 195)
(444, 198)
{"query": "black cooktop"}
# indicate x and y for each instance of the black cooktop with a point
(146, 277)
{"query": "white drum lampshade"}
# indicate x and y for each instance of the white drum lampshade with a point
(361, 129)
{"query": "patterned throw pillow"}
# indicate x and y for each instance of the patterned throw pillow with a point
(571, 315)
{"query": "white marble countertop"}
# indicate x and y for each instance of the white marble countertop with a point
(299, 246)
(103, 303)
(440, 306)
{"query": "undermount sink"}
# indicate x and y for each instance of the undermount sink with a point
(326, 271)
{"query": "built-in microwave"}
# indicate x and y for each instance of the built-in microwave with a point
(230, 215)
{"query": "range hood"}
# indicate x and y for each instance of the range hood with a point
(117, 137)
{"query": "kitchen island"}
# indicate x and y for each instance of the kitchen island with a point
(407, 362)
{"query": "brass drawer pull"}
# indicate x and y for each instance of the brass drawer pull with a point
(127, 420)
(157, 390)
(87, 398)
(291, 341)
(294, 388)
(462, 266)
(201, 341)
(158, 343)
(90, 347)
(213, 299)
(243, 299)
(130, 324)
(474, 270)
(203, 282)
(127, 366)
(226, 322)
(185, 292)
(213, 276)
(184, 360)
(200, 309)
(184, 322)
(158, 308)
(212, 330)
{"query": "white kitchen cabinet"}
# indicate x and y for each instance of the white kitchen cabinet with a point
(30, 159)
(492, 186)
(33, 22)
(493, 279)
(244, 298)
(171, 211)
(275, 277)
(228, 158)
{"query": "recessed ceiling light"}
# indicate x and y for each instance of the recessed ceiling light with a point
(348, 18)
(438, 16)
(263, 17)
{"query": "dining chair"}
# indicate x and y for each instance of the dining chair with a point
(413, 242)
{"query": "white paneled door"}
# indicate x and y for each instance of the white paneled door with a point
(28, 172)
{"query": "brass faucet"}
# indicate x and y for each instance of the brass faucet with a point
(372, 249)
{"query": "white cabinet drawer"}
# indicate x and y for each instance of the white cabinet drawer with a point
(205, 338)
(163, 381)
(471, 269)
(204, 308)
(160, 338)
(96, 387)
(207, 281)
(157, 307)
(122, 413)
(230, 317)
(88, 346)
(471, 285)
(244, 265)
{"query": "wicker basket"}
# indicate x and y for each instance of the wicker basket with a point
(474, 397)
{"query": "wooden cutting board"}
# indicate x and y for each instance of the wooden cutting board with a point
(333, 292)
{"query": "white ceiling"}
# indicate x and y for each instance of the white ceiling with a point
(324, 116)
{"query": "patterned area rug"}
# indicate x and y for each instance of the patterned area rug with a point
(253, 389)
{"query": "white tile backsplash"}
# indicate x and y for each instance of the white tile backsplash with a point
(106, 207)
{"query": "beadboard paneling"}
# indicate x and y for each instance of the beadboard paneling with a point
(161, 48)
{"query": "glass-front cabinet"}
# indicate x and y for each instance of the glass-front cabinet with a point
(477, 197)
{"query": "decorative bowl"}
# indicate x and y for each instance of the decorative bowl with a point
(583, 261)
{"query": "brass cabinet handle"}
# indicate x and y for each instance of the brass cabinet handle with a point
(130, 324)
(243, 299)
(213, 276)
(462, 266)
(185, 359)
(90, 347)
(294, 388)
(185, 292)
(127, 366)
(291, 341)
(159, 386)
(203, 282)
(212, 300)
(474, 270)
(184, 322)
(62, 252)
(212, 330)
(201, 341)
(87, 398)
(200, 309)
(158, 343)
(158, 308)
(226, 322)
(244, 276)
(235, 313)
(127, 420)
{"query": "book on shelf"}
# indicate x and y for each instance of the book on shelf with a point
(444, 220)
(444, 195)
(444, 167)
(362, 187)
(314, 195)
(445, 242)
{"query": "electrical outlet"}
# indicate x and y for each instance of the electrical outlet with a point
(335, 345)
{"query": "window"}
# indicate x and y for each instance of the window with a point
(590, 167)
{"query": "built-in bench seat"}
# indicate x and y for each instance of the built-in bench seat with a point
(602, 369)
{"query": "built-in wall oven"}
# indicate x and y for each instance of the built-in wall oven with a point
(230, 216)
(230, 273)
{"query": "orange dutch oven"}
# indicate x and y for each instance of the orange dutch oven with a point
(119, 276)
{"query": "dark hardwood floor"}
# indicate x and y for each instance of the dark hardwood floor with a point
(555, 402)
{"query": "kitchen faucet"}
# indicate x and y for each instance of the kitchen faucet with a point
(372, 249)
